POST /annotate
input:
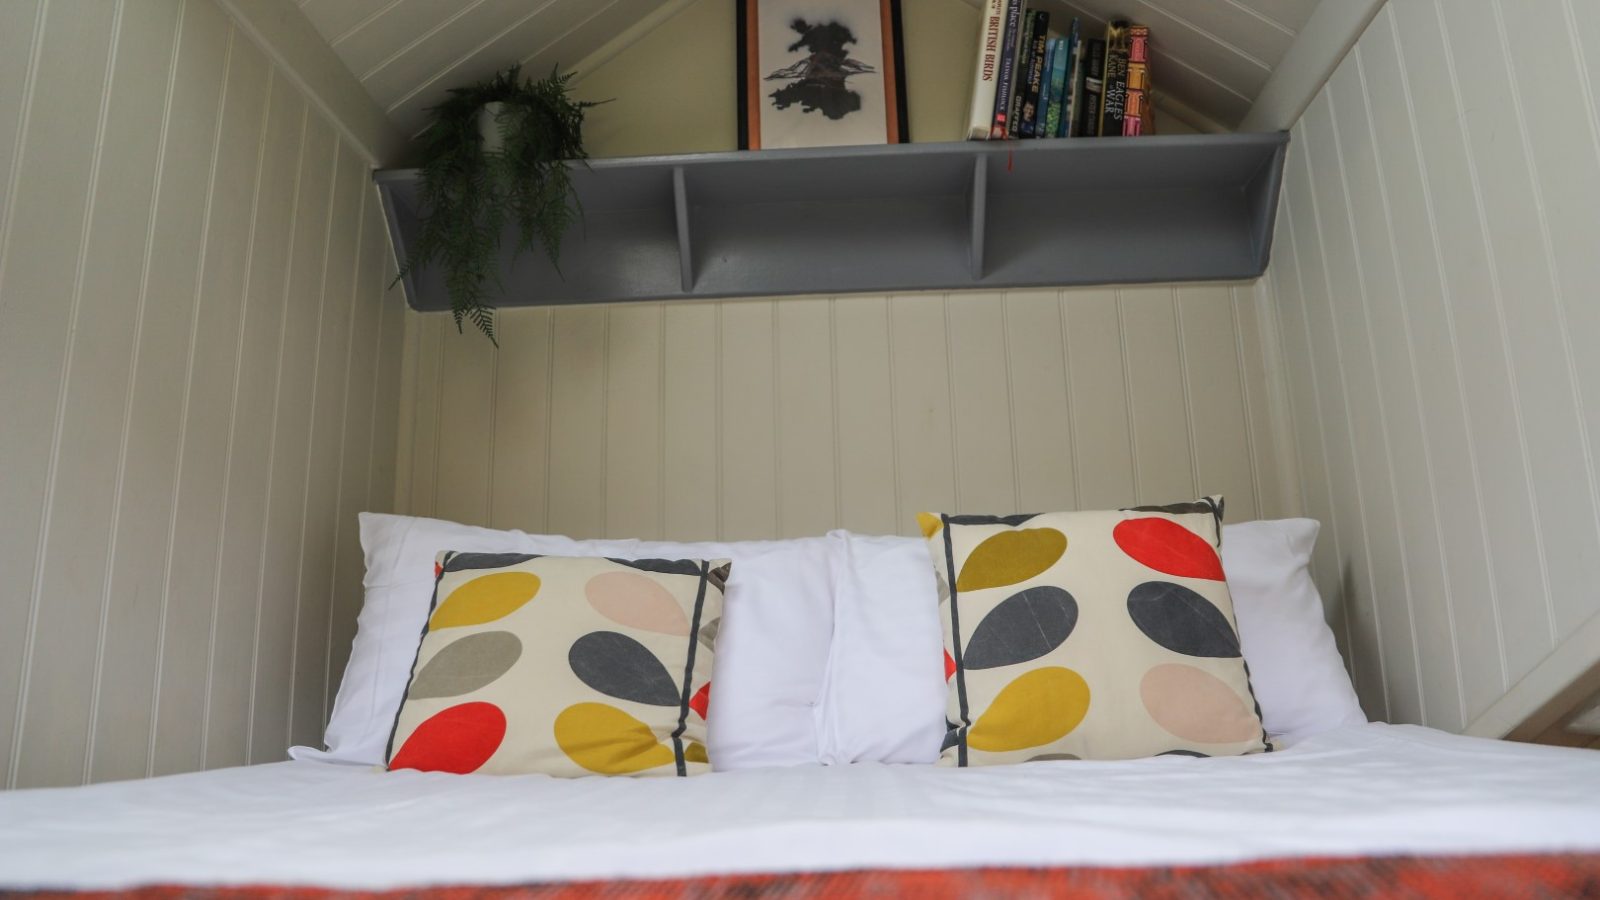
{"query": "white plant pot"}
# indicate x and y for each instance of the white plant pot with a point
(489, 127)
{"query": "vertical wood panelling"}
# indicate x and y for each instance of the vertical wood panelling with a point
(1266, 400)
(138, 573)
(42, 270)
(193, 555)
(1104, 471)
(1533, 327)
(690, 445)
(325, 447)
(1041, 411)
(575, 476)
(981, 402)
(286, 504)
(1218, 422)
(867, 490)
(1158, 397)
(748, 419)
(521, 417)
(1316, 484)
(1437, 250)
(465, 417)
(167, 218)
(633, 421)
(1332, 395)
(1351, 339)
(1425, 683)
(356, 456)
(806, 435)
(927, 470)
(250, 426)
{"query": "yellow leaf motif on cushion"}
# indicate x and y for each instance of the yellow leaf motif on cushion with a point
(1011, 557)
(484, 599)
(1036, 708)
(606, 740)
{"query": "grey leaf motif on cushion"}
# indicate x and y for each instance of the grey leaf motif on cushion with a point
(1182, 621)
(1025, 626)
(619, 666)
(465, 665)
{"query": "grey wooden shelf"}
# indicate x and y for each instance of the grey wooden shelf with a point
(895, 218)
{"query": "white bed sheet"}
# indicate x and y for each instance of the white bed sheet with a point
(1362, 790)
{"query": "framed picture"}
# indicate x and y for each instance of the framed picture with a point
(820, 73)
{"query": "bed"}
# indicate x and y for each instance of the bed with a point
(1362, 806)
(828, 734)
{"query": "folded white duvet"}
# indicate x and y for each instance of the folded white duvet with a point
(1362, 790)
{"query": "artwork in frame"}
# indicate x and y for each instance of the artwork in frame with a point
(820, 73)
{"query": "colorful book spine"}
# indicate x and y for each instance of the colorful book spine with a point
(980, 115)
(1028, 121)
(1019, 89)
(1114, 101)
(1073, 101)
(1094, 63)
(1008, 66)
(1046, 96)
(1060, 83)
(1137, 113)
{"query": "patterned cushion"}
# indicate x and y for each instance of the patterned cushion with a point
(563, 665)
(1090, 635)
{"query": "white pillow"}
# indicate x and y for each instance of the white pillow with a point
(886, 688)
(1296, 672)
(885, 698)
(772, 645)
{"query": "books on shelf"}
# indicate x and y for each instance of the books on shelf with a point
(1136, 108)
(1094, 70)
(1008, 71)
(1028, 117)
(991, 34)
(1038, 77)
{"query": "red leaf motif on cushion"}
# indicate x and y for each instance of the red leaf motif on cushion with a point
(1168, 547)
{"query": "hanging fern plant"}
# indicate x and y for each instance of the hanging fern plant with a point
(470, 192)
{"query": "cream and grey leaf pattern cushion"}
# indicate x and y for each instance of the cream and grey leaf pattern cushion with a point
(1090, 635)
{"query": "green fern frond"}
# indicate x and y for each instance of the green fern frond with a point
(468, 197)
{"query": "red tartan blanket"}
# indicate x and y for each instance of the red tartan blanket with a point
(1575, 875)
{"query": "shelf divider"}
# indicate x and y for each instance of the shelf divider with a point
(680, 204)
(980, 217)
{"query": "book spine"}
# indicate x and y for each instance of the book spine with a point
(1046, 96)
(1060, 64)
(1094, 63)
(1028, 122)
(980, 117)
(1073, 101)
(1008, 64)
(1114, 100)
(1019, 74)
(1135, 119)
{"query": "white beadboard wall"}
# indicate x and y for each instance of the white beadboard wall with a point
(1438, 283)
(201, 367)
(749, 419)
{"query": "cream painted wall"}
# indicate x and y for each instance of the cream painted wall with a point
(200, 366)
(765, 418)
(1436, 273)
(674, 90)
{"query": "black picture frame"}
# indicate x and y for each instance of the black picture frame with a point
(748, 31)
